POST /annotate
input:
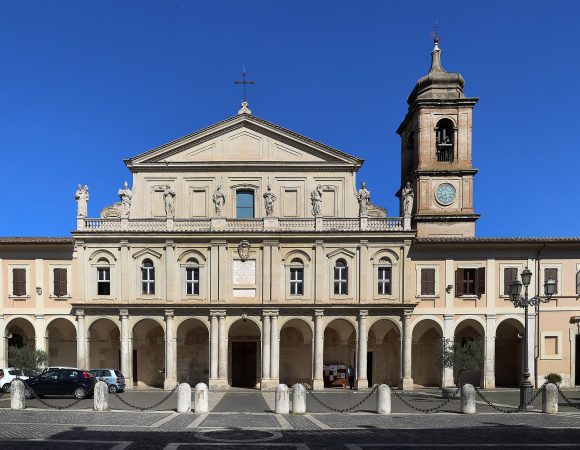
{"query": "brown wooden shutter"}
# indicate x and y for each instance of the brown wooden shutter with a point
(480, 281)
(19, 282)
(509, 274)
(427, 281)
(459, 282)
(424, 280)
(577, 283)
(553, 274)
(60, 282)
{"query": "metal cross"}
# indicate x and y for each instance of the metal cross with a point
(435, 32)
(244, 82)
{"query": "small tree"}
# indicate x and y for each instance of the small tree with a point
(461, 357)
(27, 359)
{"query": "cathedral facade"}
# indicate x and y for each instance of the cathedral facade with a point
(247, 255)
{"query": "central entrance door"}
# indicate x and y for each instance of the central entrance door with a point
(244, 360)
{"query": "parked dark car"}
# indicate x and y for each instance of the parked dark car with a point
(77, 382)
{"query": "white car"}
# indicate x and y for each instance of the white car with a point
(8, 375)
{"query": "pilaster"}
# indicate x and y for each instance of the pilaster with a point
(407, 381)
(318, 381)
(170, 351)
(489, 365)
(362, 380)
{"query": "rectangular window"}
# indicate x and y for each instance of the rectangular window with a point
(509, 274)
(103, 281)
(60, 283)
(148, 280)
(470, 282)
(384, 281)
(427, 281)
(296, 281)
(19, 282)
(245, 204)
(192, 280)
(340, 279)
(553, 274)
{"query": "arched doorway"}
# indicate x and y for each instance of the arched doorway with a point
(427, 340)
(244, 354)
(508, 353)
(19, 332)
(339, 352)
(384, 358)
(295, 352)
(62, 343)
(469, 330)
(148, 353)
(104, 345)
(192, 352)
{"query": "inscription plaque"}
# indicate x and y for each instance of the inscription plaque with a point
(244, 272)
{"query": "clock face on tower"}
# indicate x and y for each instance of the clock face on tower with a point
(445, 194)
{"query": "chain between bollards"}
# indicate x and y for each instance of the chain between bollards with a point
(341, 411)
(520, 408)
(45, 403)
(147, 408)
(426, 410)
(566, 399)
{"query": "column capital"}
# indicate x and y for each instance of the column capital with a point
(39, 316)
(80, 313)
(363, 243)
(490, 317)
(169, 313)
(271, 312)
(217, 312)
(363, 313)
(124, 313)
(169, 243)
(318, 312)
(407, 313)
(448, 316)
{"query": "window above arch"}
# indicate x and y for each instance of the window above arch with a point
(245, 204)
(340, 277)
(444, 140)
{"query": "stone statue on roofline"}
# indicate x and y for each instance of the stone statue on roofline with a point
(125, 195)
(407, 198)
(82, 198)
(364, 200)
(316, 200)
(269, 199)
(219, 200)
(169, 197)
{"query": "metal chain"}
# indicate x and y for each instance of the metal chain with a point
(70, 405)
(147, 408)
(511, 410)
(338, 410)
(426, 410)
(567, 400)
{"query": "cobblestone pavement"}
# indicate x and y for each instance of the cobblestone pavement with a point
(242, 420)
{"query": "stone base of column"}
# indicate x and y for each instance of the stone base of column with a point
(361, 384)
(218, 384)
(169, 383)
(317, 385)
(269, 384)
(406, 384)
(489, 382)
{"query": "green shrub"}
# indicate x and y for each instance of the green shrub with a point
(553, 378)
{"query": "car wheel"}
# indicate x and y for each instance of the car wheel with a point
(6, 387)
(113, 389)
(80, 393)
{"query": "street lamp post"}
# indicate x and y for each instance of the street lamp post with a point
(525, 302)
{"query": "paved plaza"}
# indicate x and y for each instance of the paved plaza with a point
(244, 419)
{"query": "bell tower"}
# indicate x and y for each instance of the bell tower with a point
(436, 153)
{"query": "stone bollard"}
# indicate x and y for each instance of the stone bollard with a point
(467, 399)
(550, 399)
(384, 400)
(17, 395)
(101, 396)
(282, 399)
(184, 398)
(298, 399)
(201, 398)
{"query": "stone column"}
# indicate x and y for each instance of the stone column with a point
(448, 320)
(170, 352)
(489, 365)
(274, 348)
(223, 351)
(407, 381)
(318, 381)
(213, 342)
(3, 340)
(125, 347)
(265, 350)
(362, 381)
(531, 343)
(40, 333)
(81, 340)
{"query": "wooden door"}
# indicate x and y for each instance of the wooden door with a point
(244, 359)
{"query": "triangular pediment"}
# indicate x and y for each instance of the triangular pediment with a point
(242, 139)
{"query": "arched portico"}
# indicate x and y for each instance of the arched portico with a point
(192, 352)
(244, 354)
(295, 352)
(508, 353)
(384, 348)
(148, 353)
(469, 330)
(61, 335)
(339, 351)
(104, 345)
(19, 333)
(427, 340)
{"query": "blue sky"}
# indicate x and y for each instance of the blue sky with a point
(84, 85)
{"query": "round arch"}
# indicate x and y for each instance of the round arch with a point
(192, 351)
(191, 253)
(296, 351)
(509, 317)
(296, 253)
(306, 321)
(470, 319)
(20, 331)
(469, 328)
(148, 352)
(433, 319)
(244, 320)
(384, 352)
(340, 335)
(427, 335)
(61, 334)
(104, 344)
(244, 354)
(508, 352)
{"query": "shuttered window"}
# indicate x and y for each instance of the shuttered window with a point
(553, 274)
(578, 283)
(19, 282)
(509, 274)
(60, 283)
(427, 281)
(470, 282)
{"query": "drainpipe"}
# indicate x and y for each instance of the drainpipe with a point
(537, 340)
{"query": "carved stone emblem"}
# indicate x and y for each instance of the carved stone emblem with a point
(244, 250)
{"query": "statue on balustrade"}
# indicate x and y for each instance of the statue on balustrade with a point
(219, 200)
(316, 199)
(169, 196)
(125, 195)
(407, 197)
(82, 198)
(364, 200)
(269, 199)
